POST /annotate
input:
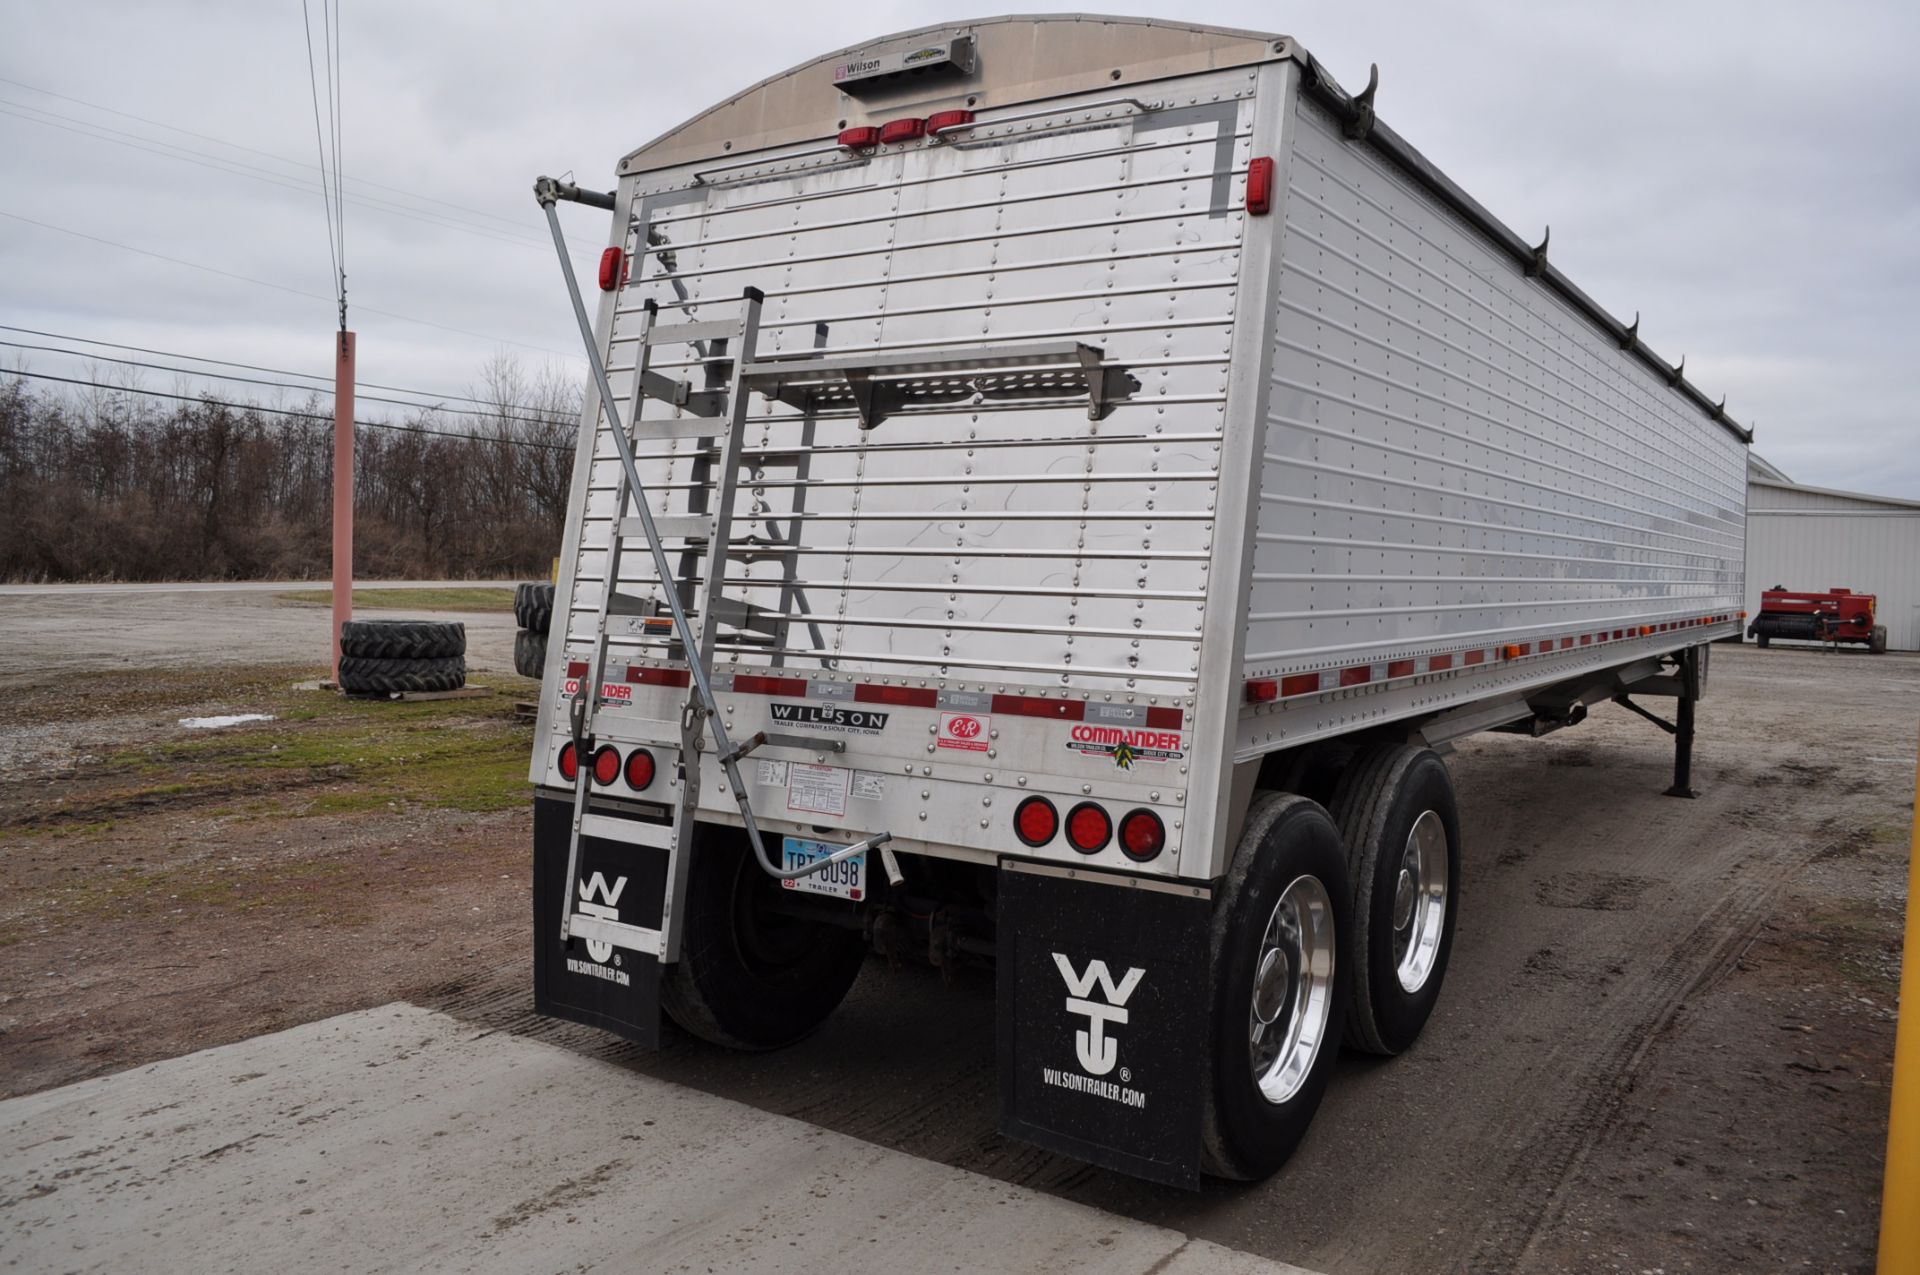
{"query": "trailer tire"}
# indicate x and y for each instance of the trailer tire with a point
(1877, 640)
(1279, 918)
(387, 677)
(1760, 640)
(1397, 813)
(530, 654)
(403, 639)
(746, 978)
(533, 606)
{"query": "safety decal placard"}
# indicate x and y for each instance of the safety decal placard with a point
(969, 732)
(819, 790)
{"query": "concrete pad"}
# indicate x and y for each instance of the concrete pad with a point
(403, 1139)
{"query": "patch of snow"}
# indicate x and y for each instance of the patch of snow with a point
(231, 719)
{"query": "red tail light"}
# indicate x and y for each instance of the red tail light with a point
(940, 121)
(1142, 835)
(1035, 821)
(569, 762)
(639, 769)
(606, 764)
(1260, 186)
(859, 139)
(901, 131)
(1088, 828)
(613, 269)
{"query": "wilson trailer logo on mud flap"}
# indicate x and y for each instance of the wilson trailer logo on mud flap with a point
(829, 717)
(1127, 745)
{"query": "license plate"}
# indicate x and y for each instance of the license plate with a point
(846, 879)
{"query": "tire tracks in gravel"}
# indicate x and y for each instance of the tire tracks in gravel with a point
(1552, 1157)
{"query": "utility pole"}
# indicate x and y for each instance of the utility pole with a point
(342, 486)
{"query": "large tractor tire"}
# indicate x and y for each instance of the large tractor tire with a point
(533, 606)
(1279, 977)
(749, 976)
(402, 639)
(1397, 814)
(530, 654)
(386, 677)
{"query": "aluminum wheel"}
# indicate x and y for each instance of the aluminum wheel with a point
(1292, 989)
(1420, 901)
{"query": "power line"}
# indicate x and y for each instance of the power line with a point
(326, 199)
(251, 380)
(281, 287)
(253, 172)
(281, 411)
(218, 141)
(249, 367)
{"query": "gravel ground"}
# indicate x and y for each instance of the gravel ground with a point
(1663, 1044)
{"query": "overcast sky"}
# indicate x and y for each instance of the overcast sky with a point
(1745, 175)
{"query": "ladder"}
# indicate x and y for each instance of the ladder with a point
(713, 417)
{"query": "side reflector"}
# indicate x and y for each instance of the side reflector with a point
(940, 121)
(1142, 835)
(906, 696)
(569, 762)
(606, 764)
(1088, 828)
(648, 676)
(859, 139)
(613, 269)
(1260, 186)
(760, 684)
(902, 131)
(1035, 821)
(639, 769)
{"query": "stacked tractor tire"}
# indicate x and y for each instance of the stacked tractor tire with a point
(384, 657)
(533, 609)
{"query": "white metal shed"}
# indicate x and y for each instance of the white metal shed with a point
(1815, 538)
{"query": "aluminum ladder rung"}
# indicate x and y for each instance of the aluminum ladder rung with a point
(700, 330)
(653, 428)
(832, 368)
(670, 527)
(634, 938)
(633, 832)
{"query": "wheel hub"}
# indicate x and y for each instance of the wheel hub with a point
(1292, 1000)
(1420, 902)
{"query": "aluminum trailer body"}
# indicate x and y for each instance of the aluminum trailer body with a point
(1349, 464)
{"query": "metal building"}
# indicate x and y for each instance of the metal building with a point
(1813, 538)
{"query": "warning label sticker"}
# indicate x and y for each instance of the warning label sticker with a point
(968, 732)
(819, 790)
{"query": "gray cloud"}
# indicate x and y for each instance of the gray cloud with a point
(1742, 174)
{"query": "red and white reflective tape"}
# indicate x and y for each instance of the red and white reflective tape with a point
(1264, 690)
(1152, 717)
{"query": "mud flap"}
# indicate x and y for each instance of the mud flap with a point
(1103, 1018)
(594, 983)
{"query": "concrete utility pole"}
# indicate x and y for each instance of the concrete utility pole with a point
(342, 491)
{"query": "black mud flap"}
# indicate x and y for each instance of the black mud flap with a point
(594, 983)
(1103, 1018)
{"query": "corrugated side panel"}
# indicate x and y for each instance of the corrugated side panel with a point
(973, 539)
(1456, 461)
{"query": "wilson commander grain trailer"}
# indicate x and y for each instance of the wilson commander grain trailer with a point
(1049, 487)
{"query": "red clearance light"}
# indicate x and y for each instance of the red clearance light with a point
(1088, 828)
(859, 139)
(606, 764)
(1262, 689)
(639, 769)
(613, 269)
(1142, 835)
(902, 131)
(905, 696)
(569, 762)
(1260, 186)
(940, 121)
(1035, 821)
